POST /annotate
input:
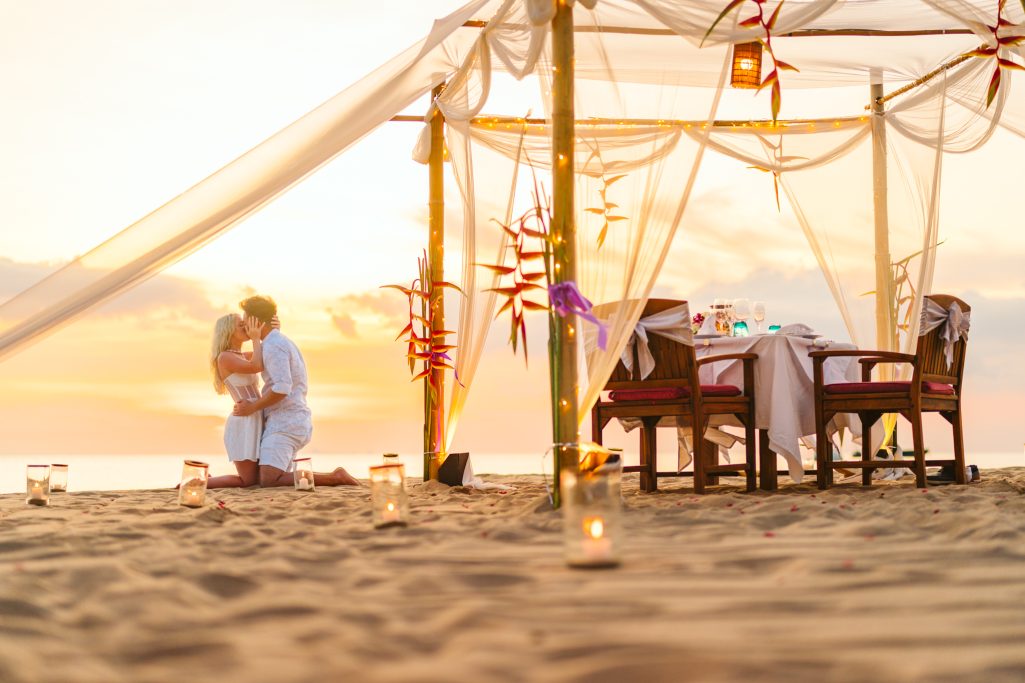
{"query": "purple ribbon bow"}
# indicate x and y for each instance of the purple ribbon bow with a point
(566, 298)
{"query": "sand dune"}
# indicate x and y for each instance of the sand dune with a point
(886, 584)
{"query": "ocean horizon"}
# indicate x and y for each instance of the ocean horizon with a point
(134, 472)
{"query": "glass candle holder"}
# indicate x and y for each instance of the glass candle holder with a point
(740, 329)
(192, 492)
(37, 484)
(388, 498)
(302, 475)
(58, 478)
(773, 329)
(391, 459)
(591, 509)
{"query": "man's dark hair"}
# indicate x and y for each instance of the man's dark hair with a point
(262, 308)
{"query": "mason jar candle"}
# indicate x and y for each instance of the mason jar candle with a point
(303, 474)
(58, 478)
(388, 499)
(37, 484)
(192, 491)
(591, 508)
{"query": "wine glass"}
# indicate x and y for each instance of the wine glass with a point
(759, 314)
(741, 311)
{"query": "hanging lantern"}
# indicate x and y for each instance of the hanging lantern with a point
(747, 65)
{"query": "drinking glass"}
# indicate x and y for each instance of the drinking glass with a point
(741, 311)
(722, 324)
(759, 314)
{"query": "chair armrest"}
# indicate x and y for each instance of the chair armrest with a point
(875, 356)
(728, 356)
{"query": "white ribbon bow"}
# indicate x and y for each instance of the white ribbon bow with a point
(672, 323)
(955, 324)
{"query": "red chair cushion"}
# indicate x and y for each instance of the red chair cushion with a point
(663, 394)
(670, 393)
(886, 388)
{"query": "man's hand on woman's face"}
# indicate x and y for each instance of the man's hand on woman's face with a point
(252, 327)
(275, 323)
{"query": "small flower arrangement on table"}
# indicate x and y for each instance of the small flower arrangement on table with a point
(696, 322)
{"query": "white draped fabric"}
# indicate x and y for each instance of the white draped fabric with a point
(672, 323)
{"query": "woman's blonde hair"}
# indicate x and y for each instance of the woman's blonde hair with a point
(224, 329)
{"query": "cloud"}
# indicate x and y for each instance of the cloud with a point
(382, 309)
(345, 324)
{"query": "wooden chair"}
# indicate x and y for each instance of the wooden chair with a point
(673, 389)
(934, 387)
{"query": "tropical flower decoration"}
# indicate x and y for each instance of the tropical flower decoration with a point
(530, 243)
(424, 343)
(1005, 34)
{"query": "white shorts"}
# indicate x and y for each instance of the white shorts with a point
(278, 449)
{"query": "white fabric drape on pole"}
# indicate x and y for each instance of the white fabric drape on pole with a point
(241, 188)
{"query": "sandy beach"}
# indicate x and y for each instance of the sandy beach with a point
(891, 583)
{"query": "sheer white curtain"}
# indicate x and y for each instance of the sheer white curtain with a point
(241, 188)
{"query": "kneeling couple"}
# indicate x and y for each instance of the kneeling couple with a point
(264, 431)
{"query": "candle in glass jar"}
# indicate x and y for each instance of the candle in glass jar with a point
(303, 475)
(388, 499)
(58, 478)
(192, 491)
(37, 485)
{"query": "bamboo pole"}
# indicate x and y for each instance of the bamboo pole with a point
(562, 341)
(434, 404)
(884, 295)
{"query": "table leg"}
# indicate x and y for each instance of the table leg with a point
(767, 462)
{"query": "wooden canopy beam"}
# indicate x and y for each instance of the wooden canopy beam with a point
(805, 33)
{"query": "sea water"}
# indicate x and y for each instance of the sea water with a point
(122, 472)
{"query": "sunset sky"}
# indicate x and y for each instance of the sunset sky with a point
(112, 108)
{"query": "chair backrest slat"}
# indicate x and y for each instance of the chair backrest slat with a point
(931, 350)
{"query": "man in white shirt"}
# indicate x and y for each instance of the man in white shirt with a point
(287, 421)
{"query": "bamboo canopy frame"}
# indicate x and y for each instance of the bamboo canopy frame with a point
(564, 373)
(566, 436)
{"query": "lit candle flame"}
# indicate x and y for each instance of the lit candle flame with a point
(594, 527)
(747, 64)
(390, 506)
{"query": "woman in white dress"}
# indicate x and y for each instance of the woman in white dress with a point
(237, 373)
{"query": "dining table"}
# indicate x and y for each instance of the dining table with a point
(783, 389)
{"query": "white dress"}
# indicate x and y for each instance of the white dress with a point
(242, 434)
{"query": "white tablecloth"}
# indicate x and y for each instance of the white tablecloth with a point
(784, 397)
